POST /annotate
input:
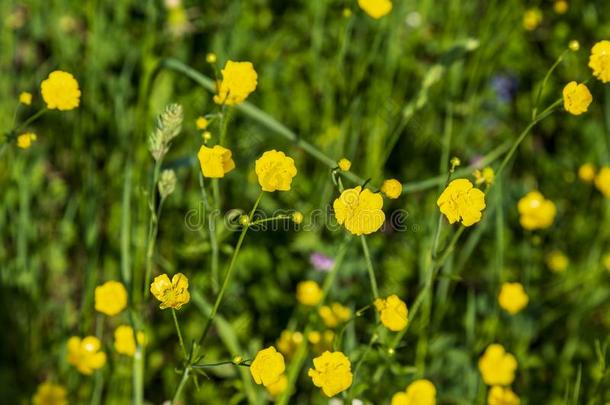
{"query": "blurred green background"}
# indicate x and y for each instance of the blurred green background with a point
(396, 96)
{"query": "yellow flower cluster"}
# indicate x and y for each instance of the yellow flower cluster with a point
(393, 312)
(602, 181)
(172, 294)
(512, 297)
(85, 354)
(124, 343)
(376, 8)
(289, 341)
(321, 341)
(309, 293)
(267, 367)
(485, 176)
(460, 201)
(502, 396)
(239, 79)
(419, 392)
(275, 171)
(497, 367)
(110, 298)
(48, 393)
(60, 91)
(216, 161)
(332, 372)
(334, 314)
(25, 140)
(359, 211)
(536, 212)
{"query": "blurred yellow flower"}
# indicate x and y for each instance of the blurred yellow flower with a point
(359, 210)
(332, 372)
(85, 354)
(512, 297)
(124, 342)
(485, 176)
(602, 181)
(297, 217)
(576, 98)
(497, 367)
(210, 57)
(25, 98)
(532, 19)
(606, 261)
(215, 162)
(289, 341)
(419, 392)
(376, 8)
(391, 188)
(278, 387)
(172, 294)
(309, 293)
(560, 6)
(502, 396)
(239, 79)
(393, 312)
(60, 91)
(25, 140)
(267, 367)
(557, 261)
(110, 298)
(202, 123)
(460, 201)
(48, 393)
(586, 172)
(535, 211)
(334, 314)
(574, 45)
(275, 171)
(321, 341)
(344, 164)
(599, 61)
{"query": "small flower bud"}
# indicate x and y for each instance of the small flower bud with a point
(244, 220)
(210, 57)
(207, 135)
(574, 45)
(344, 164)
(297, 217)
(237, 360)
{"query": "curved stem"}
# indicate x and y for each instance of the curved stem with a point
(369, 266)
(183, 380)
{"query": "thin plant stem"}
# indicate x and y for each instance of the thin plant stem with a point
(152, 226)
(177, 325)
(183, 380)
(369, 266)
(372, 341)
(213, 230)
(32, 118)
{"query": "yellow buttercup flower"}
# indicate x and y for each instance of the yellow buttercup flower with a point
(586, 172)
(602, 181)
(172, 294)
(557, 261)
(124, 342)
(536, 212)
(512, 297)
(560, 6)
(460, 201)
(334, 314)
(497, 367)
(48, 393)
(275, 171)
(599, 61)
(376, 8)
(344, 164)
(202, 123)
(25, 140)
(576, 98)
(278, 387)
(391, 188)
(332, 372)
(85, 354)
(289, 341)
(321, 341)
(110, 298)
(267, 367)
(485, 176)
(532, 19)
(60, 91)
(297, 217)
(502, 396)
(239, 79)
(309, 293)
(419, 392)
(215, 162)
(359, 211)
(393, 312)
(25, 98)
(210, 57)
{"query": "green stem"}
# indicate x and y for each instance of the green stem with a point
(183, 380)
(30, 120)
(213, 230)
(369, 266)
(152, 227)
(177, 325)
(265, 220)
(228, 274)
(372, 341)
(546, 79)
